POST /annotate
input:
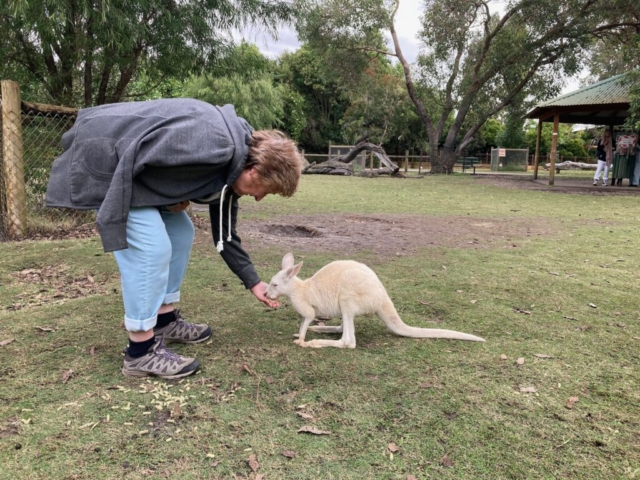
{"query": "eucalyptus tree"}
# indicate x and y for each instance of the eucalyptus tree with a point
(315, 89)
(88, 52)
(244, 78)
(474, 62)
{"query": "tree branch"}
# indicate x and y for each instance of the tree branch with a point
(424, 117)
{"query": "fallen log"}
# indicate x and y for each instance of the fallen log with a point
(330, 167)
(343, 164)
(572, 166)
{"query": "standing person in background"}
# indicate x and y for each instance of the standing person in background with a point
(140, 164)
(604, 154)
(635, 149)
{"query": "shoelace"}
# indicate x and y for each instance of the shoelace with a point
(163, 352)
(166, 354)
(182, 322)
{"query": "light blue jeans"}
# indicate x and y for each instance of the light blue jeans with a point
(153, 267)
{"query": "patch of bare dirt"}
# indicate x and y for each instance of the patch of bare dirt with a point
(86, 230)
(53, 284)
(384, 234)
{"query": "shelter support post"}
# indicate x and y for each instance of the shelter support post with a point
(537, 155)
(554, 147)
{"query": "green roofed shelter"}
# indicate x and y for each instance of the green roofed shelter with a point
(602, 103)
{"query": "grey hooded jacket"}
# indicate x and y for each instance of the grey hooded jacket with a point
(155, 153)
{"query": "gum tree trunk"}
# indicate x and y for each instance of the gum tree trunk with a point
(442, 161)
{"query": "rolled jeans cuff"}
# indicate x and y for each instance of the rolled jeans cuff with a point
(171, 298)
(140, 325)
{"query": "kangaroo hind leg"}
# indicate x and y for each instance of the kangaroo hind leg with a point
(348, 339)
(326, 328)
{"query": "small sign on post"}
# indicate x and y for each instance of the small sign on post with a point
(502, 152)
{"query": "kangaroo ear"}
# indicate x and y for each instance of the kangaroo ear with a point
(287, 261)
(293, 271)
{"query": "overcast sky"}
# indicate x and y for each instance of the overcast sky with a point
(407, 25)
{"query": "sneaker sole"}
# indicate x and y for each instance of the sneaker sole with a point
(181, 374)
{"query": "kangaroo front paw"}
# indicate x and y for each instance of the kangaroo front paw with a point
(301, 343)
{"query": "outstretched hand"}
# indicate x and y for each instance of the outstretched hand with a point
(259, 290)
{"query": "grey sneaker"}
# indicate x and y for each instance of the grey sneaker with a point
(184, 332)
(159, 362)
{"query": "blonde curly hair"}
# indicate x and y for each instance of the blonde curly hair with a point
(275, 158)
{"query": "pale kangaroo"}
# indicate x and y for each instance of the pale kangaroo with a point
(344, 288)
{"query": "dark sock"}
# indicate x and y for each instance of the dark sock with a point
(165, 319)
(138, 349)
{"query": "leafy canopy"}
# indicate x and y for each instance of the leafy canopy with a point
(87, 52)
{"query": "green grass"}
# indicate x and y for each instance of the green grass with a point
(431, 398)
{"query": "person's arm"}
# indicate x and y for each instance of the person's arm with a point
(236, 258)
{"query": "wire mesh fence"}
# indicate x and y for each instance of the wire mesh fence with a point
(509, 159)
(31, 141)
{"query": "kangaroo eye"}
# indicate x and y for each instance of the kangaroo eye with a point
(274, 284)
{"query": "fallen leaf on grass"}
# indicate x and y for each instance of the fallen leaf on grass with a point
(306, 416)
(215, 464)
(520, 361)
(253, 462)
(446, 461)
(474, 301)
(542, 355)
(593, 305)
(393, 448)
(289, 454)
(313, 430)
(503, 357)
(269, 380)
(44, 329)
(571, 402)
(246, 368)
(518, 310)
(528, 389)
(412, 477)
(621, 325)
(92, 351)
(6, 342)
(66, 376)
(426, 385)
(7, 432)
(569, 318)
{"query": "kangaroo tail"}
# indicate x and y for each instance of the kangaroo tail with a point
(392, 320)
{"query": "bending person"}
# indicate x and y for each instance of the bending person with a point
(140, 164)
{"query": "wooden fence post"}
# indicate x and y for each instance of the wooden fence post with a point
(12, 151)
(406, 160)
